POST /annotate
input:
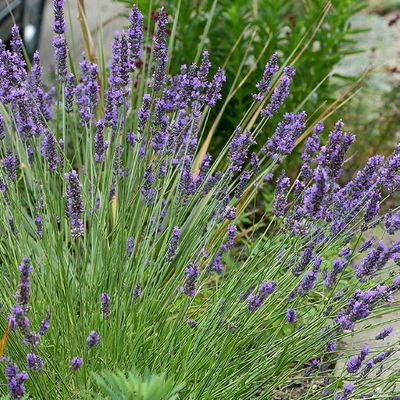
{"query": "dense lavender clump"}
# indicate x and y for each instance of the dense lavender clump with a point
(107, 182)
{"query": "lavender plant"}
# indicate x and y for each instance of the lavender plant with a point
(136, 251)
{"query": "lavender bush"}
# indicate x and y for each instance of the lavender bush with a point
(134, 264)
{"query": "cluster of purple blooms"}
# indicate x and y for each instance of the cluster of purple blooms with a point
(314, 207)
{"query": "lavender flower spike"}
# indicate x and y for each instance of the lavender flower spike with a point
(23, 291)
(282, 188)
(74, 206)
(45, 324)
(130, 244)
(189, 288)
(280, 93)
(384, 334)
(173, 244)
(105, 305)
(291, 316)
(60, 57)
(270, 69)
(160, 51)
(2, 132)
(34, 362)
(100, 145)
(11, 165)
(135, 33)
(75, 364)
(354, 364)
(59, 21)
(92, 340)
(214, 90)
(15, 381)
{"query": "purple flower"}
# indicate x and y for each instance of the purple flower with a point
(30, 153)
(214, 90)
(100, 145)
(291, 316)
(280, 93)
(48, 149)
(11, 164)
(15, 381)
(347, 391)
(92, 340)
(87, 90)
(238, 149)
(173, 244)
(286, 133)
(74, 207)
(314, 195)
(331, 345)
(387, 173)
(120, 65)
(268, 177)
(191, 274)
(137, 292)
(105, 305)
(130, 244)
(282, 189)
(392, 222)
(354, 364)
(255, 301)
(45, 324)
(59, 22)
(39, 226)
(263, 85)
(372, 207)
(192, 323)
(76, 363)
(131, 139)
(2, 133)
(35, 363)
(135, 33)
(332, 155)
(312, 143)
(23, 291)
(16, 41)
(366, 245)
(69, 91)
(241, 186)
(384, 333)
(160, 51)
(255, 163)
(60, 57)
(147, 190)
(216, 264)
